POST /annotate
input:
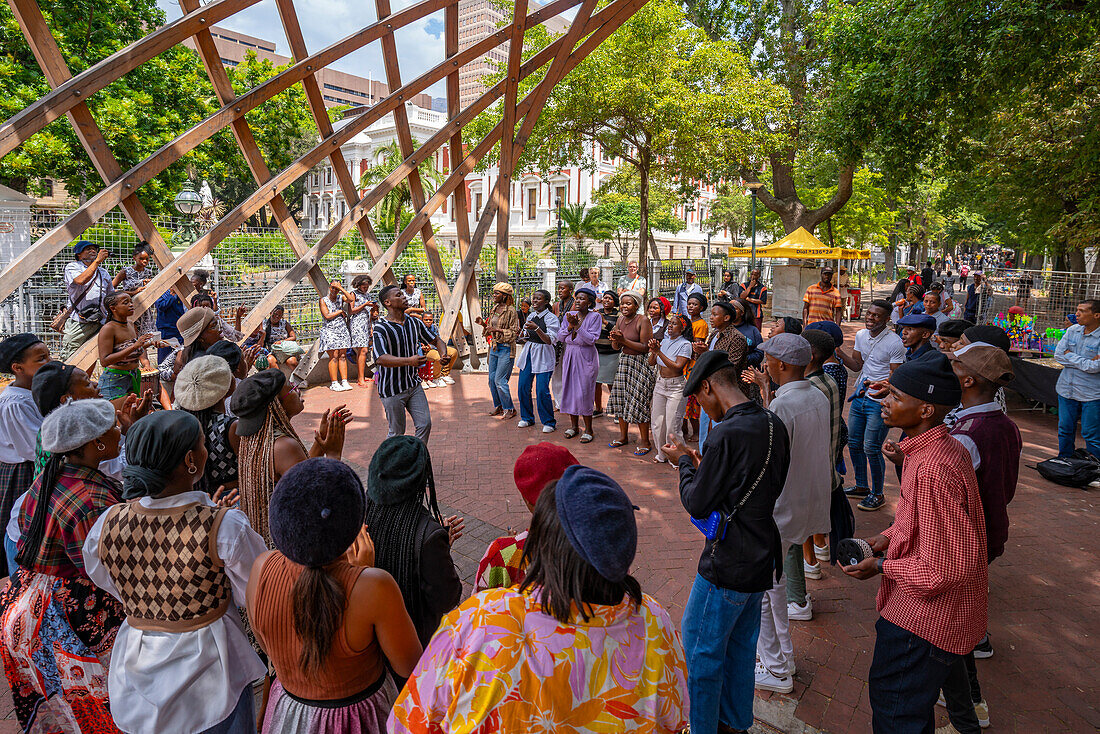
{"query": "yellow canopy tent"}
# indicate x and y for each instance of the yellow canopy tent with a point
(800, 244)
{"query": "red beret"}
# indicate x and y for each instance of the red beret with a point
(539, 465)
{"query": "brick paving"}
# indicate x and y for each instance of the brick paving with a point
(1044, 592)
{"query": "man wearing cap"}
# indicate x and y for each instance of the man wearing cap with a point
(912, 277)
(822, 301)
(916, 335)
(87, 283)
(740, 474)
(994, 444)
(397, 339)
(685, 289)
(932, 599)
(802, 508)
(1078, 352)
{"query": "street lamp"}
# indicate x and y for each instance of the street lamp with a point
(557, 205)
(753, 186)
(188, 202)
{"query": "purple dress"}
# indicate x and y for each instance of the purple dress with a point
(579, 364)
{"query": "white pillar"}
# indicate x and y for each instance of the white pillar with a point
(607, 271)
(549, 271)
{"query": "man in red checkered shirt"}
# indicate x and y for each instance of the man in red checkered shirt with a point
(932, 601)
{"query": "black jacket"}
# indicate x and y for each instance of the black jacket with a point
(440, 587)
(750, 553)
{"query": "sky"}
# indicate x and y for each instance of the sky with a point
(419, 44)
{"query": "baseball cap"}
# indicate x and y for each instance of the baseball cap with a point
(986, 361)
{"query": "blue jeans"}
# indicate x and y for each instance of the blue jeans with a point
(542, 396)
(720, 627)
(242, 720)
(907, 673)
(866, 432)
(500, 371)
(12, 551)
(1071, 411)
(704, 427)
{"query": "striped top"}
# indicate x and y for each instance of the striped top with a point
(399, 339)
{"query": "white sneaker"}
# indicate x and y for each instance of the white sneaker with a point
(801, 612)
(426, 385)
(812, 570)
(344, 385)
(439, 383)
(549, 429)
(447, 380)
(335, 387)
(765, 681)
(523, 424)
(822, 552)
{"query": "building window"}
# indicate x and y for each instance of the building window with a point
(532, 203)
(560, 194)
(477, 205)
(451, 202)
(328, 176)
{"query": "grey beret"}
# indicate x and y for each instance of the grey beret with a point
(203, 382)
(74, 424)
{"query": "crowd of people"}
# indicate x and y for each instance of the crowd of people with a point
(164, 562)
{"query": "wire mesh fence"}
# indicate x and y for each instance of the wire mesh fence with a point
(1044, 300)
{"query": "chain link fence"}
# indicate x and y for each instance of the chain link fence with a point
(1046, 297)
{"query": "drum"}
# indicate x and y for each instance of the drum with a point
(150, 380)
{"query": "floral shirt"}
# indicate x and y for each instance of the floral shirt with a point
(499, 664)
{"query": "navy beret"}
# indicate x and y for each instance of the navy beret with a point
(598, 520)
(316, 511)
(919, 320)
(252, 397)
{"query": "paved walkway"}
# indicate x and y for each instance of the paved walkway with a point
(1044, 592)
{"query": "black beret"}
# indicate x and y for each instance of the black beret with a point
(706, 366)
(989, 334)
(14, 346)
(48, 385)
(316, 511)
(929, 379)
(727, 307)
(251, 398)
(228, 351)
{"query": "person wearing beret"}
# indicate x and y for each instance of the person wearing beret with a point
(332, 625)
(576, 647)
(537, 466)
(87, 283)
(199, 331)
(739, 474)
(411, 537)
(201, 390)
(21, 355)
(179, 564)
(932, 559)
(52, 613)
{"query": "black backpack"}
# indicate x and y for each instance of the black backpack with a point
(1073, 471)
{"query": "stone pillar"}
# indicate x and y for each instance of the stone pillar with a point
(607, 271)
(548, 269)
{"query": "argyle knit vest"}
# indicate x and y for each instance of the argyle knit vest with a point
(164, 563)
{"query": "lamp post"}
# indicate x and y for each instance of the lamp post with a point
(557, 206)
(188, 202)
(752, 192)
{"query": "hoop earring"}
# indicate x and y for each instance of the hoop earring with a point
(100, 447)
(192, 469)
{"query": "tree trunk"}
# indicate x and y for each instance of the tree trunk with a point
(643, 207)
(785, 201)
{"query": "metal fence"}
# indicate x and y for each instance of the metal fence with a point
(1046, 299)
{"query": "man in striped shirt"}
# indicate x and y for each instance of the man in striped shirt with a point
(932, 600)
(397, 357)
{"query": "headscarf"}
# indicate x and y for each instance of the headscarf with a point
(155, 446)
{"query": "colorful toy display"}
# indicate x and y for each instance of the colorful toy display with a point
(1021, 330)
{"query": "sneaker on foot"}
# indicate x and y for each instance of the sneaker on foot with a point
(946, 729)
(765, 681)
(425, 384)
(812, 570)
(523, 424)
(335, 387)
(857, 491)
(344, 385)
(801, 612)
(981, 710)
(821, 551)
(871, 502)
(984, 649)
(549, 429)
(439, 383)
(447, 380)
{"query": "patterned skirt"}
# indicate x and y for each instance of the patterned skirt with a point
(55, 640)
(632, 391)
(15, 479)
(365, 713)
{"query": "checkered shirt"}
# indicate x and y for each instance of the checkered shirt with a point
(80, 497)
(935, 581)
(823, 303)
(500, 566)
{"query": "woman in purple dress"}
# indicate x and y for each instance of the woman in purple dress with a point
(578, 332)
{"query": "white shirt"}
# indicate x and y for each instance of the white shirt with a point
(183, 682)
(413, 299)
(99, 289)
(19, 424)
(878, 352)
(803, 507)
(673, 348)
(542, 356)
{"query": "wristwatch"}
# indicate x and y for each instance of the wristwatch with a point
(878, 564)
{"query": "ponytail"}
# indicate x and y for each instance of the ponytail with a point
(318, 601)
(32, 539)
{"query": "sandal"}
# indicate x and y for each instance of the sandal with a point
(586, 438)
(616, 444)
(597, 413)
(570, 432)
(659, 460)
(642, 451)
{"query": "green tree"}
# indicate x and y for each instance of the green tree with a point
(581, 223)
(730, 210)
(394, 211)
(137, 114)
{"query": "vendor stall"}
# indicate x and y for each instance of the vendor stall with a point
(1036, 377)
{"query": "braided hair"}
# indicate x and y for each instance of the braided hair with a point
(256, 465)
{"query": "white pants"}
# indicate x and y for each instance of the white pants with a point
(773, 646)
(667, 410)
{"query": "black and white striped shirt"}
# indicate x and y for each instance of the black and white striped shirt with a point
(398, 340)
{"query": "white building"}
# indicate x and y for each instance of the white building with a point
(533, 210)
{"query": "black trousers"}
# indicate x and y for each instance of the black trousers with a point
(907, 673)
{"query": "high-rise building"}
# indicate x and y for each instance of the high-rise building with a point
(337, 87)
(477, 20)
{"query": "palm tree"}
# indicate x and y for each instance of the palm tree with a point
(581, 223)
(395, 204)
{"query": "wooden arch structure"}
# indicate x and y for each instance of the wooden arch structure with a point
(67, 98)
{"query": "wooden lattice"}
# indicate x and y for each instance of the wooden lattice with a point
(587, 30)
